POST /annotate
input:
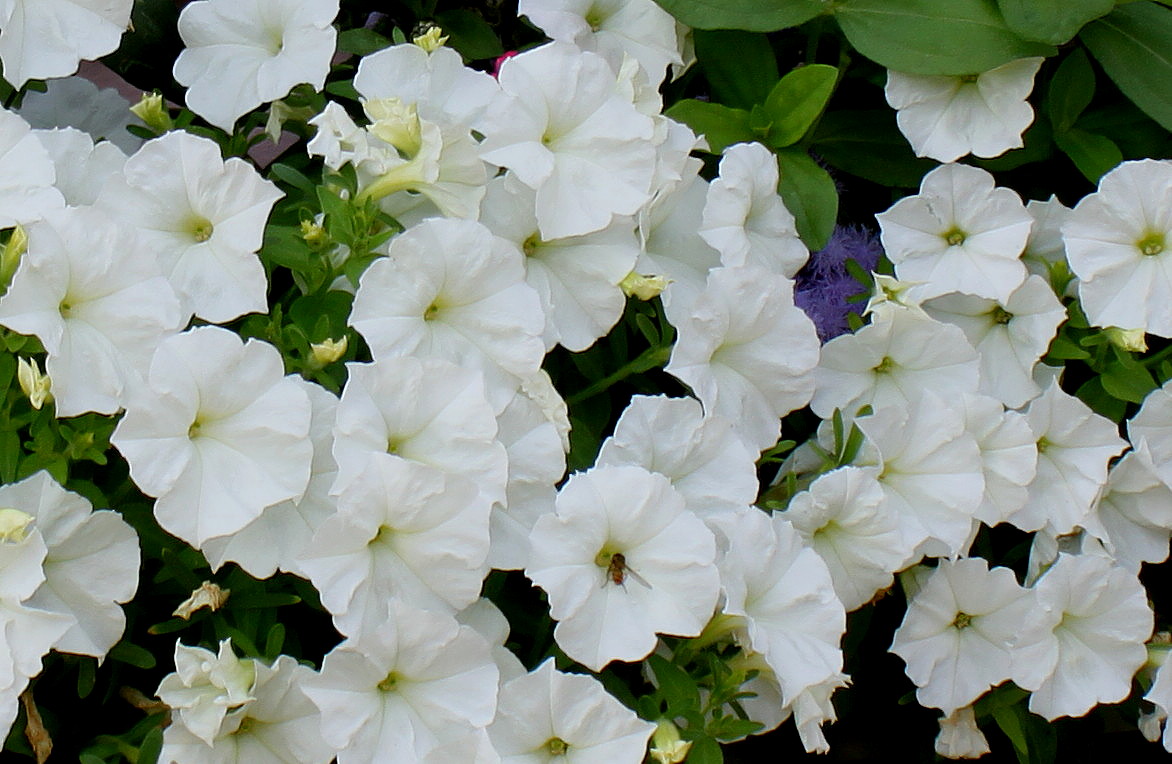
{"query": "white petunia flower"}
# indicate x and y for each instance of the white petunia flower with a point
(672, 248)
(960, 737)
(847, 520)
(931, 471)
(620, 561)
(277, 725)
(402, 531)
(959, 234)
(204, 218)
(1045, 248)
(744, 218)
(1009, 456)
(946, 117)
(82, 166)
(1009, 337)
(43, 39)
(1131, 516)
(746, 351)
(1074, 447)
(959, 630)
(1160, 695)
(427, 411)
(205, 687)
(1101, 621)
(550, 716)
(1119, 243)
(437, 83)
(91, 291)
(701, 456)
(450, 289)
(783, 591)
(26, 633)
(244, 53)
(533, 436)
(90, 566)
(395, 693)
(612, 28)
(216, 434)
(891, 361)
(27, 175)
(1153, 425)
(577, 277)
(569, 135)
(282, 532)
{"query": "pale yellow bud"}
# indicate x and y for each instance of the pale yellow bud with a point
(396, 123)
(208, 595)
(643, 287)
(14, 525)
(10, 258)
(431, 40)
(1131, 340)
(151, 110)
(34, 384)
(314, 234)
(666, 745)
(326, 352)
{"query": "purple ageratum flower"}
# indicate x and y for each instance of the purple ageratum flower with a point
(823, 285)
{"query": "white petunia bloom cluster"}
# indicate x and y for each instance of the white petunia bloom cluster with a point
(531, 211)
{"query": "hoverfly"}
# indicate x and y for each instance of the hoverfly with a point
(617, 571)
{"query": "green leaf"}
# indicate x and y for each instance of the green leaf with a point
(1071, 90)
(1009, 720)
(470, 34)
(9, 456)
(291, 176)
(261, 600)
(1134, 47)
(152, 746)
(677, 688)
(705, 750)
(1052, 21)
(751, 15)
(933, 36)
(1103, 403)
(721, 125)
(1062, 349)
(361, 41)
(87, 674)
(1127, 381)
(809, 194)
(126, 652)
(797, 100)
(1094, 155)
(740, 66)
(868, 144)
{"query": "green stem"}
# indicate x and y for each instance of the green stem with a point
(1158, 357)
(649, 359)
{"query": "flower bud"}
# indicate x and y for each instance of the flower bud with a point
(33, 383)
(324, 353)
(10, 258)
(151, 110)
(666, 745)
(431, 40)
(1131, 340)
(643, 287)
